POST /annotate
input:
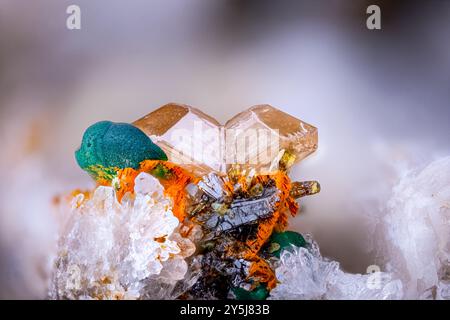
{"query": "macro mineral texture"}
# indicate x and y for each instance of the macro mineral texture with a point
(416, 227)
(192, 209)
(304, 274)
(253, 138)
(238, 214)
(204, 217)
(188, 136)
(116, 250)
(278, 131)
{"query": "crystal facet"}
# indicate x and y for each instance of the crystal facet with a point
(186, 135)
(274, 129)
(254, 138)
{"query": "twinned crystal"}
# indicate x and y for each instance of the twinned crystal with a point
(253, 138)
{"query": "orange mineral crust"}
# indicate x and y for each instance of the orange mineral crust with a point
(172, 177)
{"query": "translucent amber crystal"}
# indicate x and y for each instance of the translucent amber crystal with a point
(261, 138)
(188, 136)
(276, 131)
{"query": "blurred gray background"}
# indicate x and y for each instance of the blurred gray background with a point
(381, 101)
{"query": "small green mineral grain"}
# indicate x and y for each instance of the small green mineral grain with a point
(280, 241)
(259, 293)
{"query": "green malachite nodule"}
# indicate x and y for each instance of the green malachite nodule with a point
(108, 146)
(259, 293)
(280, 241)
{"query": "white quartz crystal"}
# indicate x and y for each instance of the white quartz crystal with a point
(114, 250)
(304, 274)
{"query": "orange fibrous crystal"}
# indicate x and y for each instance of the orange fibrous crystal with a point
(173, 178)
(249, 250)
(260, 271)
(259, 268)
(278, 220)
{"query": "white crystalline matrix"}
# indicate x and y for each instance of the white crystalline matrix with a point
(415, 232)
(304, 274)
(122, 250)
(417, 224)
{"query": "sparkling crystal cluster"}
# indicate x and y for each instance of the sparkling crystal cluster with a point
(304, 274)
(114, 250)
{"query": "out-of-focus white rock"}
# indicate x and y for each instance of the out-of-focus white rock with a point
(417, 231)
(113, 250)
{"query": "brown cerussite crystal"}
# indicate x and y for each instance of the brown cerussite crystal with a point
(254, 138)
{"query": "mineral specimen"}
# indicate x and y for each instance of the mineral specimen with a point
(224, 216)
(211, 222)
(304, 274)
(416, 225)
(208, 224)
(108, 146)
(188, 136)
(283, 132)
(114, 250)
(253, 138)
(280, 241)
(259, 293)
(238, 213)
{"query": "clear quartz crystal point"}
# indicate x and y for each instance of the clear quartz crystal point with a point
(255, 138)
